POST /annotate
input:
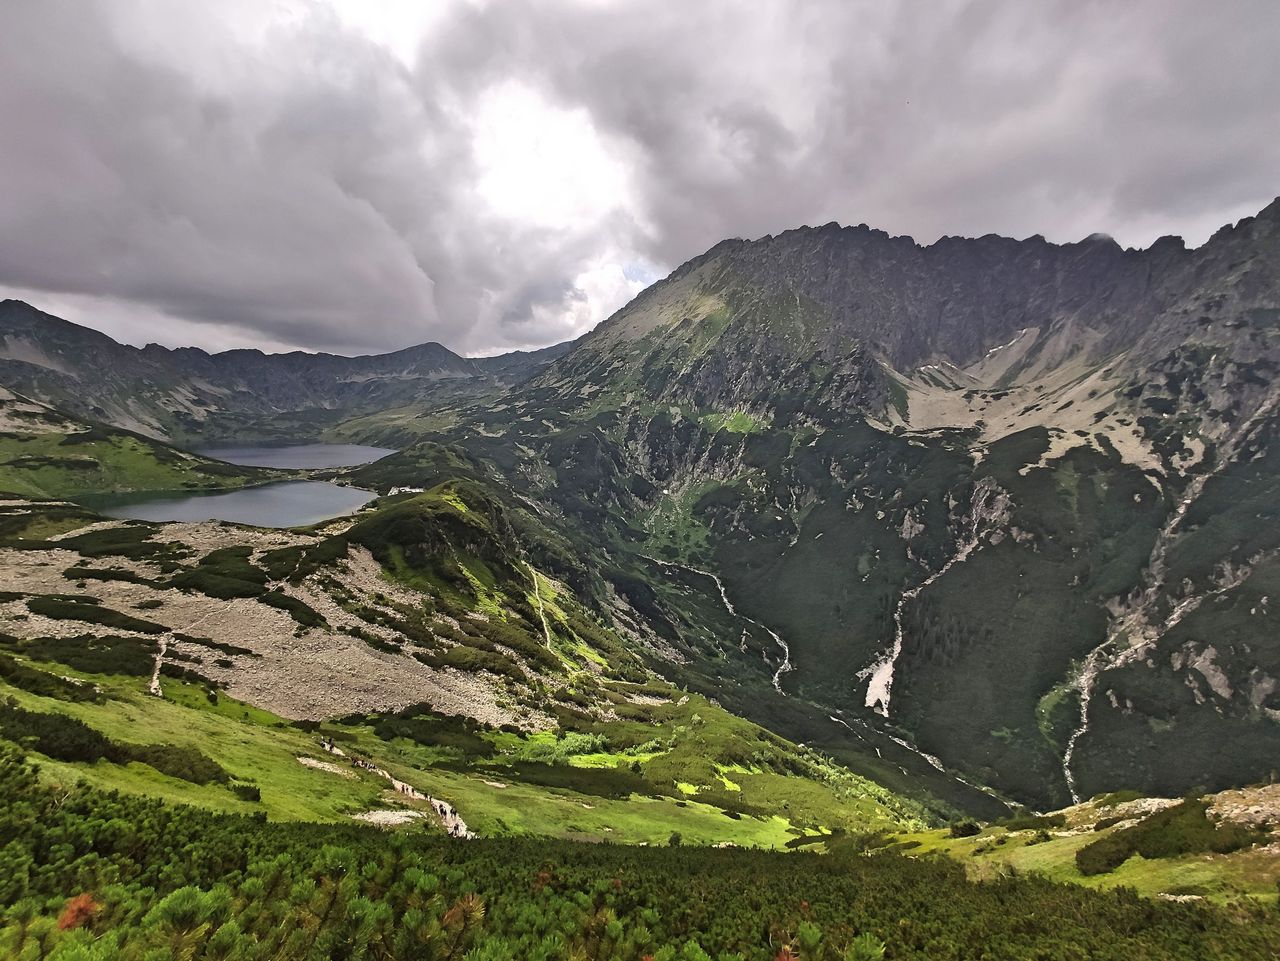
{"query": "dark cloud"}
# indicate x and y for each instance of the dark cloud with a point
(226, 177)
(962, 118)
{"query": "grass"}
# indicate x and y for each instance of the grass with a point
(996, 850)
(89, 654)
(62, 464)
(250, 744)
(261, 749)
(674, 528)
(735, 422)
(522, 809)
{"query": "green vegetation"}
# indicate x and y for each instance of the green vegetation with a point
(735, 422)
(1032, 822)
(87, 610)
(1180, 843)
(600, 779)
(224, 574)
(691, 493)
(296, 563)
(89, 653)
(985, 692)
(1217, 742)
(180, 882)
(898, 398)
(1176, 831)
(43, 683)
(299, 610)
(93, 459)
(228, 573)
(66, 739)
(130, 541)
(43, 519)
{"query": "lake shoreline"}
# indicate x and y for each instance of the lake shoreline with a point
(286, 496)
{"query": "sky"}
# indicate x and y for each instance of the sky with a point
(358, 176)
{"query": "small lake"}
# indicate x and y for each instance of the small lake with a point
(296, 456)
(283, 504)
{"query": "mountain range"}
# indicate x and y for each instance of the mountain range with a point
(191, 395)
(996, 517)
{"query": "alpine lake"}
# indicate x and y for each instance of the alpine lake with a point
(287, 503)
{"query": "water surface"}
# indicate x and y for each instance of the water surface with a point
(296, 456)
(283, 504)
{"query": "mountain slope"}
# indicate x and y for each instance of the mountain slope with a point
(997, 495)
(248, 670)
(982, 514)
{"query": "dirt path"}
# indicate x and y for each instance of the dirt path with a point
(452, 821)
(161, 648)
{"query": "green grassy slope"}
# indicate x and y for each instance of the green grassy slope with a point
(617, 754)
(45, 454)
(821, 607)
(682, 765)
(1183, 863)
(181, 882)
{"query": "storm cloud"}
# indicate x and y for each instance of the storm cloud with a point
(360, 177)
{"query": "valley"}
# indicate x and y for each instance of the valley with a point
(243, 647)
(626, 480)
(782, 556)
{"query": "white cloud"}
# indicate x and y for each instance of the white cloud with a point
(604, 288)
(398, 25)
(543, 165)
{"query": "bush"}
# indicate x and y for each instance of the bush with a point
(296, 563)
(529, 646)
(45, 684)
(55, 735)
(224, 574)
(79, 572)
(417, 723)
(615, 783)
(469, 659)
(300, 611)
(1182, 829)
(93, 654)
(58, 608)
(184, 763)
(190, 676)
(1031, 822)
(132, 541)
(175, 880)
(964, 829)
(68, 739)
(563, 748)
